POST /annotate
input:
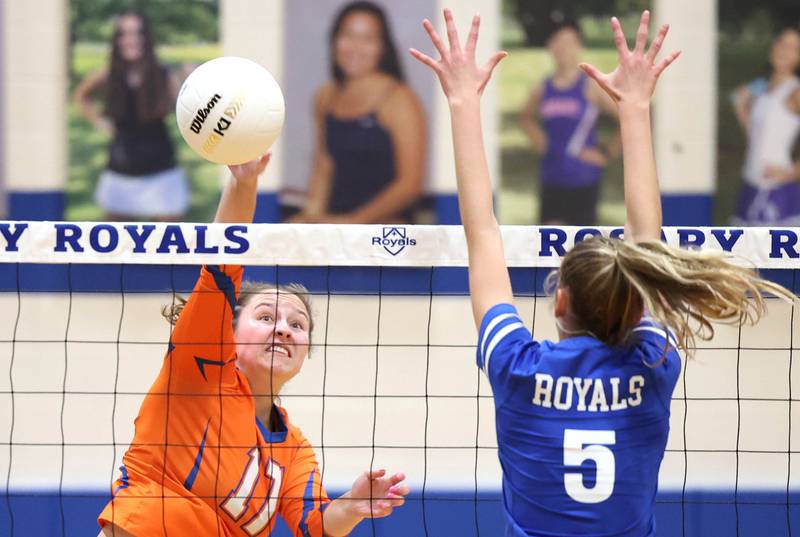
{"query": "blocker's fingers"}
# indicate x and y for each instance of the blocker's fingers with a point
(666, 62)
(472, 40)
(496, 58)
(437, 41)
(619, 37)
(452, 33)
(655, 47)
(491, 63)
(424, 58)
(601, 79)
(641, 33)
(592, 71)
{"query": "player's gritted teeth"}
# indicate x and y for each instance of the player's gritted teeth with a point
(278, 348)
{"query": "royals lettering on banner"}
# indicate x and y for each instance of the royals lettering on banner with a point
(11, 232)
(171, 238)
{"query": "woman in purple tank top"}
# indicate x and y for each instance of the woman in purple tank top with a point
(560, 120)
(370, 129)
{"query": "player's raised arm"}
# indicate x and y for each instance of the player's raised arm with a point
(238, 201)
(631, 85)
(463, 83)
(197, 321)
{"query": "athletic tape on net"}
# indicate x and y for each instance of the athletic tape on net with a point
(336, 245)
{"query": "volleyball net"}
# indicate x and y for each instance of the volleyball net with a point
(390, 381)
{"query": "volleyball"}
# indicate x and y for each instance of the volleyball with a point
(230, 110)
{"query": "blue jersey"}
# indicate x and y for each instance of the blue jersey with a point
(581, 427)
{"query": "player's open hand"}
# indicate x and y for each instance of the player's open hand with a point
(252, 169)
(634, 79)
(375, 495)
(458, 73)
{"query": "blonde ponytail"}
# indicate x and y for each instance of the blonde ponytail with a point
(611, 282)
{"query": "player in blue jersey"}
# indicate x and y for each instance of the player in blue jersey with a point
(582, 423)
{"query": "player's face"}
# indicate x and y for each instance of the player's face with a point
(785, 53)
(130, 40)
(565, 47)
(272, 336)
(358, 45)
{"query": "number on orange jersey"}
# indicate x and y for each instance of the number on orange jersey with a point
(238, 500)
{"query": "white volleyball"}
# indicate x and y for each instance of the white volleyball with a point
(230, 110)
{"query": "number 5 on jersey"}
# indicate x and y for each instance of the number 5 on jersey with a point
(582, 445)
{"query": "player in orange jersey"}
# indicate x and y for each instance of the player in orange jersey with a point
(213, 454)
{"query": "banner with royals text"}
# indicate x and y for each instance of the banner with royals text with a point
(335, 245)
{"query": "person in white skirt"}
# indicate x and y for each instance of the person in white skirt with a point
(768, 109)
(141, 179)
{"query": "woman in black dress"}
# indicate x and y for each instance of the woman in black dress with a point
(141, 179)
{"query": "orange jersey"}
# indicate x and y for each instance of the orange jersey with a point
(201, 463)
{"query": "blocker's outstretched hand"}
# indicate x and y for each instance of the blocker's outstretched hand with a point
(460, 76)
(463, 82)
(635, 78)
(631, 86)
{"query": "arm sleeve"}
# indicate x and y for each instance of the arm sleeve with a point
(202, 349)
(304, 499)
(501, 340)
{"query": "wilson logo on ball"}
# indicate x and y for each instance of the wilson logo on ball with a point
(202, 114)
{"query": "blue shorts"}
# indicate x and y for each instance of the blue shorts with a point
(778, 206)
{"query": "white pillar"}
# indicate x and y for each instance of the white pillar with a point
(686, 111)
(254, 29)
(34, 47)
(443, 178)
